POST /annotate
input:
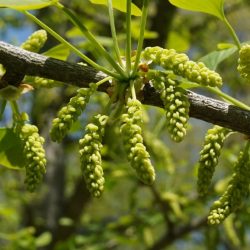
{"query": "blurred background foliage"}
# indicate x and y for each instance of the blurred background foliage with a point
(61, 215)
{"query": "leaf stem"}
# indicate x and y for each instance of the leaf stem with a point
(73, 48)
(74, 19)
(128, 37)
(113, 32)
(229, 98)
(15, 110)
(141, 37)
(132, 89)
(232, 32)
(103, 81)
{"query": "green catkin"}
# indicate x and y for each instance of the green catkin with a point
(176, 105)
(180, 64)
(69, 113)
(209, 156)
(34, 155)
(90, 155)
(237, 190)
(35, 41)
(133, 142)
(40, 82)
(244, 61)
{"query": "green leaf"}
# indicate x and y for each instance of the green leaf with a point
(43, 239)
(212, 7)
(60, 52)
(120, 5)
(213, 59)
(178, 41)
(26, 4)
(11, 153)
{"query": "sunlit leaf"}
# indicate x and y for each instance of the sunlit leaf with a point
(26, 4)
(120, 5)
(60, 52)
(135, 31)
(213, 59)
(213, 7)
(222, 46)
(44, 239)
(179, 42)
(11, 154)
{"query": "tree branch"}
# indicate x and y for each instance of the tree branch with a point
(204, 108)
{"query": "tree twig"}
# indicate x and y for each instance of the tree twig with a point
(201, 107)
(168, 239)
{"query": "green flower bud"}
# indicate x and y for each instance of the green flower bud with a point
(34, 155)
(69, 113)
(209, 156)
(90, 155)
(237, 190)
(244, 61)
(35, 41)
(182, 66)
(133, 142)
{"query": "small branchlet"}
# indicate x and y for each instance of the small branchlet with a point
(90, 155)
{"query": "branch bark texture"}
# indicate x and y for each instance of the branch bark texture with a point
(22, 62)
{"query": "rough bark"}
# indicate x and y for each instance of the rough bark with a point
(204, 108)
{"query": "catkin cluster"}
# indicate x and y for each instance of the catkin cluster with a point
(133, 142)
(69, 113)
(182, 66)
(237, 190)
(244, 61)
(90, 155)
(175, 103)
(34, 155)
(209, 156)
(35, 41)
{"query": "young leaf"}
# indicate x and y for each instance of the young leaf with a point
(120, 5)
(11, 153)
(60, 51)
(213, 59)
(212, 7)
(26, 4)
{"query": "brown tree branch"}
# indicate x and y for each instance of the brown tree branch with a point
(207, 109)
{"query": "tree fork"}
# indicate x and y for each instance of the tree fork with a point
(204, 108)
